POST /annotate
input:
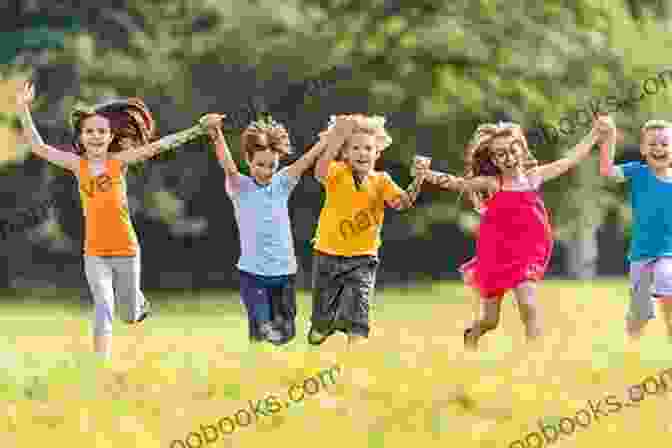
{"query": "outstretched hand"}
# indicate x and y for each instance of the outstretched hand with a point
(25, 95)
(211, 122)
(604, 127)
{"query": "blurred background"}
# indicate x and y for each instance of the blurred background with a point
(434, 68)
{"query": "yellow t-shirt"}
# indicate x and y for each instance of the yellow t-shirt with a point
(351, 219)
(108, 229)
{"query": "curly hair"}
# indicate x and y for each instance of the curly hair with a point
(478, 154)
(265, 134)
(129, 118)
(370, 125)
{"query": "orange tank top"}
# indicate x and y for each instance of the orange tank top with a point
(108, 229)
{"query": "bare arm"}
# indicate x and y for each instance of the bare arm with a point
(450, 182)
(561, 166)
(62, 159)
(607, 167)
(223, 153)
(335, 138)
(297, 168)
(172, 141)
(224, 157)
(407, 199)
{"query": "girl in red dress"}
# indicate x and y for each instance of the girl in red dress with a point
(514, 239)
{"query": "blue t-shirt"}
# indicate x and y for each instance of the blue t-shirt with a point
(651, 210)
(262, 214)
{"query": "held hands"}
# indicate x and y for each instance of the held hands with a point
(344, 125)
(25, 95)
(604, 129)
(211, 122)
(420, 169)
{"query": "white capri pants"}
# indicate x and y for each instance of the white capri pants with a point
(114, 282)
(649, 279)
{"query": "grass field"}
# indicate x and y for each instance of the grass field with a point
(411, 385)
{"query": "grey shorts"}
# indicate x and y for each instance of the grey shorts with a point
(342, 290)
(114, 283)
(649, 279)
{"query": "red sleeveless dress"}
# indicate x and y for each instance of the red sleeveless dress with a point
(514, 243)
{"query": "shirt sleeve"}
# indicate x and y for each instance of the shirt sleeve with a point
(234, 185)
(626, 171)
(391, 190)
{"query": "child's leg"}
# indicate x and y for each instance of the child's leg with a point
(358, 294)
(527, 306)
(283, 308)
(487, 321)
(99, 276)
(256, 299)
(662, 274)
(642, 308)
(133, 306)
(326, 297)
(666, 305)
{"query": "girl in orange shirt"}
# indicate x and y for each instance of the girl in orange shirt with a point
(109, 137)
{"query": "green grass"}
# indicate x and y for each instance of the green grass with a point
(191, 364)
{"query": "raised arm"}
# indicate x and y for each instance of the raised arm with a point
(212, 122)
(297, 168)
(573, 158)
(607, 154)
(63, 159)
(334, 142)
(164, 144)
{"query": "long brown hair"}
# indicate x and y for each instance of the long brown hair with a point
(129, 118)
(478, 154)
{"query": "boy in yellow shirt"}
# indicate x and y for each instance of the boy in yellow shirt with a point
(348, 233)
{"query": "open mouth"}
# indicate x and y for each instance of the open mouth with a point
(659, 157)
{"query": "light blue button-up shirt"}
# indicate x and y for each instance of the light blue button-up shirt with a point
(262, 214)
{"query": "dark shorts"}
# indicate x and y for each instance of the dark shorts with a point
(280, 292)
(342, 289)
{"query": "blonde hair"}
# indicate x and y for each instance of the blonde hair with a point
(370, 125)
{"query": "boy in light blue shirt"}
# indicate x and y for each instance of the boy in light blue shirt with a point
(651, 245)
(267, 262)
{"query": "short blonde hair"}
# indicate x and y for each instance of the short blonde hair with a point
(369, 125)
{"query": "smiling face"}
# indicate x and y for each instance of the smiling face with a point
(506, 153)
(96, 136)
(263, 165)
(361, 153)
(656, 147)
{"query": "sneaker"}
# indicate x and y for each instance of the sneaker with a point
(270, 333)
(145, 312)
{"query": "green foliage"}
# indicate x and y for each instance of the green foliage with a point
(450, 65)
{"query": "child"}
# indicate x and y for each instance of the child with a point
(348, 233)
(651, 245)
(514, 239)
(267, 261)
(108, 138)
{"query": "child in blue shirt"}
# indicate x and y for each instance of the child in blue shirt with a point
(651, 246)
(267, 262)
